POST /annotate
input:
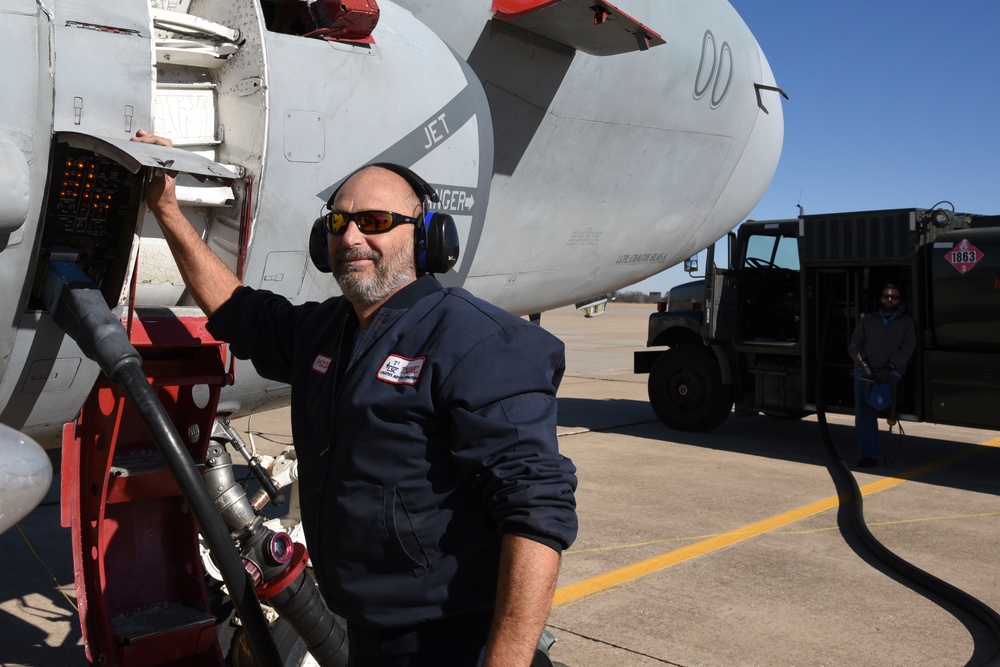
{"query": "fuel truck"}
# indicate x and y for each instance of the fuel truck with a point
(777, 312)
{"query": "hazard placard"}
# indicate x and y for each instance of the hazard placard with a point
(963, 256)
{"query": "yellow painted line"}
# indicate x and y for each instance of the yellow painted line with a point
(688, 538)
(603, 582)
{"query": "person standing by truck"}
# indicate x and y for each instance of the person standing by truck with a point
(881, 346)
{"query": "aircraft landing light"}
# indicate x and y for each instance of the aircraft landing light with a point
(603, 583)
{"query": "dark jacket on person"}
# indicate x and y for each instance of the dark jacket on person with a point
(420, 442)
(881, 341)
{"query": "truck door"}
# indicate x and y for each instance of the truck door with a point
(768, 316)
(769, 288)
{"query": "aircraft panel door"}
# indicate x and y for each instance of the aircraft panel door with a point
(19, 103)
(116, 96)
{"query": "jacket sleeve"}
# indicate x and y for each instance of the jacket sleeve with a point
(259, 326)
(502, 406)
(900, 357)
(858, 340)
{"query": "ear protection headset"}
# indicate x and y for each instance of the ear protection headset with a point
(436, 236)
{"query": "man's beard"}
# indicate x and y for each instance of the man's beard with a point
(889, 308)
(391, 272)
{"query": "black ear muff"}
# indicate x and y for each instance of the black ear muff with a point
(319, 251)
(437, 244)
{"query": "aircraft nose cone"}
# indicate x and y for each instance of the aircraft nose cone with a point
(25, 476)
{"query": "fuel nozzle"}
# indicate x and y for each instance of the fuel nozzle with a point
(276, 564)
(223, 429)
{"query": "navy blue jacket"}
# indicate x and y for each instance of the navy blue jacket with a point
(420, 442)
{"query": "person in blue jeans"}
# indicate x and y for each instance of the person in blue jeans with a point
(881, 346)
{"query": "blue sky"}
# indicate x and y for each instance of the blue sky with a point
(893, 104)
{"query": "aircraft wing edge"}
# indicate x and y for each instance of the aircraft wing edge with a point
(599, 29)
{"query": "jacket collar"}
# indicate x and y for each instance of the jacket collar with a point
(415, 291)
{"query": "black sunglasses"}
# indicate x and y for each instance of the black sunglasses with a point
(891, 297)
(369, 222)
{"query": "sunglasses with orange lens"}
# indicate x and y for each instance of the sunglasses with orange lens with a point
(369, 222)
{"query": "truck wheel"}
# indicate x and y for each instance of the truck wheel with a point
(686, 390)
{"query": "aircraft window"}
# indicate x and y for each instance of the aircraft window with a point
(286, 18)
(351, 20)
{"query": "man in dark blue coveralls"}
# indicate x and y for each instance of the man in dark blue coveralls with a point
(881, 346)
(434, 500)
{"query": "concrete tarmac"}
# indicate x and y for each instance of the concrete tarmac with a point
(723, 548)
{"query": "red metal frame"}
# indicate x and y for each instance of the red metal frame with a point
(140, 584)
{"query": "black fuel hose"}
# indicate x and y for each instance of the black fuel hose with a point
(79, 309)
(844, 480)
(303, 607)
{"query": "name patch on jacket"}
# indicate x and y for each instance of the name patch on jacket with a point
(400, 370)
(321, 364)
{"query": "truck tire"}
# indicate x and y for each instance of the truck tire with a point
(686, 390)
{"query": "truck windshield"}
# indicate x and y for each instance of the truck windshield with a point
(777, 252)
